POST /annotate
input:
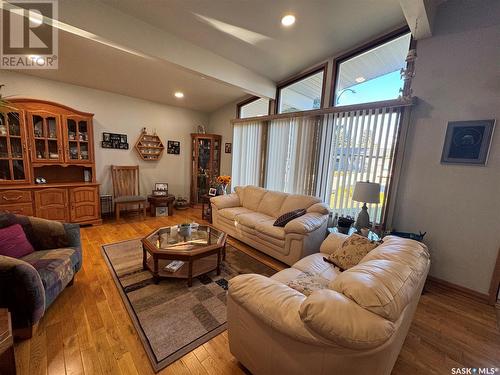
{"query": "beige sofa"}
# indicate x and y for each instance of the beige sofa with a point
(355, 324)
(249, 214)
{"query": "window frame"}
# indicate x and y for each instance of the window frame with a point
(248, 101)
(299, 77)
(362, 49)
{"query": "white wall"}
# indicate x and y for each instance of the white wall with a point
(457, 78)
(220, 123)
(121, 114)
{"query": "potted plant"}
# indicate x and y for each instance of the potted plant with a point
(223, 181)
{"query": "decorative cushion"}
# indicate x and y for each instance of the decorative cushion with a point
(13, 242)
(352, 251)
(296, 201)
(307, 282)
(289, 216)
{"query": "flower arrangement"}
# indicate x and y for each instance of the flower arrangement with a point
(224, 180)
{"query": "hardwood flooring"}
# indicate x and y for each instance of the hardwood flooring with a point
(88, 331)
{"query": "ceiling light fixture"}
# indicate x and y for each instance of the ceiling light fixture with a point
(35, 17)
(360, 79)
(179, 95)
(288, 20)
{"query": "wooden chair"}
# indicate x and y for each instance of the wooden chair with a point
(126, 188)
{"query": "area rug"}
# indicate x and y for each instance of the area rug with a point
(171, 318)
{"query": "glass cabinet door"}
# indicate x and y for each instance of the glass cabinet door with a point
(46, 137)
(78, 134)
(204, 166)
(12, 150)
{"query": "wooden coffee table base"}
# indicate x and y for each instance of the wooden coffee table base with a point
(193, 266)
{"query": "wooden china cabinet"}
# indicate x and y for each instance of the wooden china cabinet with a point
(42, 139)
(205, 154)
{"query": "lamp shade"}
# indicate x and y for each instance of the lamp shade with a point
(366, 192)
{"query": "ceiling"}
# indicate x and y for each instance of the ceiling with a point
(239, 47)
(323, 28)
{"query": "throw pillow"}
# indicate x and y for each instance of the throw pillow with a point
(352, 251)
(13, 242)
(307, 282)
(289, 216)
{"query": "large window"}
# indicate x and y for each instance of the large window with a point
(253, 108)
(302, 94)
(373, 74)
(247, 150)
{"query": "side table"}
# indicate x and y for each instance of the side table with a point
(161, 201)
(206, 213)
(7, 359)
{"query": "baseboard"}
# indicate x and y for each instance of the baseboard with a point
(459, 289)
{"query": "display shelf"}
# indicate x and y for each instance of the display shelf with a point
(149, 146)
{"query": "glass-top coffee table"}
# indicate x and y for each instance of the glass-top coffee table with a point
(201, 251)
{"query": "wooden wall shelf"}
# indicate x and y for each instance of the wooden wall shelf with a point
(149, 146)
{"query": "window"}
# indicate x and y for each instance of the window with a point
(373, 74)
(247, 150)
(303, 94)
(254, 107)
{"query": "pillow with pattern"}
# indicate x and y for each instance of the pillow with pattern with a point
(289, 216)
(307, 282)
(354, 248)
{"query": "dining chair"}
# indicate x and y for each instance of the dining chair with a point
(126, 191)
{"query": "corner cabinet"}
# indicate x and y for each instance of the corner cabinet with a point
(41, 139)
(205, 154)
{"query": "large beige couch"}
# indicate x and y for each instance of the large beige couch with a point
(354, 325)
(249, 214)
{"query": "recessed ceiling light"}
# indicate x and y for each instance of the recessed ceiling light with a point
(35, 17)
(288, 20)
(179, 94)
(360, 79)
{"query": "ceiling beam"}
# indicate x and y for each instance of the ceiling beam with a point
(419, 15)
(106, 25)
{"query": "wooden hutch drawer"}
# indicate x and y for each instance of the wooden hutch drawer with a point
(14, 196)
(18, 209)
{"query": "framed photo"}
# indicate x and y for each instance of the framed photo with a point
(212, 192)
(106, 137)
(173, 147)
(163, 186)
(228, 148)
(467, 142)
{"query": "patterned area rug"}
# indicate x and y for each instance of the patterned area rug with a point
(171, 318)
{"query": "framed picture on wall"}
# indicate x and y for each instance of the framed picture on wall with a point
(467, 142)
(228, 148)
(173, 147)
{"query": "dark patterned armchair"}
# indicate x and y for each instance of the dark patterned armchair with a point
(29, 285)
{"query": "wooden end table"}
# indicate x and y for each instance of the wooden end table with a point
(7, 358)
(206, 213)
(161, 201)
(202, 252)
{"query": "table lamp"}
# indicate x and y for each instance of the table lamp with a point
(366, 192)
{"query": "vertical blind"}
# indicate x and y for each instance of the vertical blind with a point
(323, 155)
(247, 148)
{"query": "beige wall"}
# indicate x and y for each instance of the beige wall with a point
(457, 78)
(220, 123)
(121, 114)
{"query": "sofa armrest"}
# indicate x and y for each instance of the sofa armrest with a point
(306, 223)
(21, 291)
(333, 242)
(274, 303)
(320, 208)
(226, 201)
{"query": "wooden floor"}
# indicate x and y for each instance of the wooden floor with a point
(88, 331)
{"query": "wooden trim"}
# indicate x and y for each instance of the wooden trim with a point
(28, 100)
(358, 50)
(324, 111)
(481, 297)
(299, 77)
(245, 102)
(495, 282)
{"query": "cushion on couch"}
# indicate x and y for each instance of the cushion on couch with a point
(232, 212)
(284, 219)
(13, 242)
(56, 269)
(251, 197)
(271, 203)
(252, 219)
(383, 287)
(267, 227)
(307, 282)
(295, 201)
(353, 249)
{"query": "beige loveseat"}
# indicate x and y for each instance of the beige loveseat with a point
(355, 324)
(249, 214)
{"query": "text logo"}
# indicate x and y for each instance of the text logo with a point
(28, 40)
